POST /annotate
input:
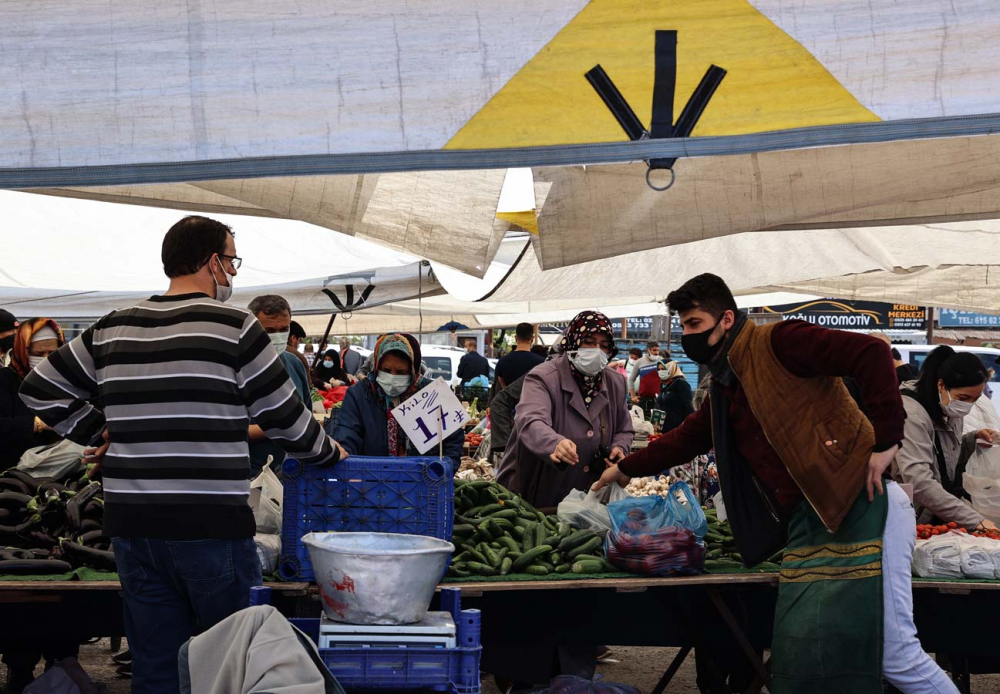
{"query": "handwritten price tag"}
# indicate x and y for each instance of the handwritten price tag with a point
(431, 415)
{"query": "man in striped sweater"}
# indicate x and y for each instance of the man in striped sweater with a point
(178, 377)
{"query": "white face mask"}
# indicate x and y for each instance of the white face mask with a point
(631, 362)
(223, 293)
(589, 361)
(34, 362)
(956, 408)
(663, 374)
(656, 360)
(328, 363)
(393, 385)
(279, 341)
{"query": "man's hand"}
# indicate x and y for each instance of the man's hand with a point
(987, 525)
(635, 399)
(95, 456)
(256, 433)
(611, 475)
(617, 455)
(565, 452)
(877, 464)
(344, 455)
(988, 437)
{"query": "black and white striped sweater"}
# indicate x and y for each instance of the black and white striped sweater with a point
(177, 378)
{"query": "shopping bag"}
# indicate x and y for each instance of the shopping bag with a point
(56, 460)
(984, 493)
(589, 510)
(938, 557)
(658, 536)
(639, 423)
(268, 549)
(266, 494)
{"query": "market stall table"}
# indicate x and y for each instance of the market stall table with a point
(952, 616)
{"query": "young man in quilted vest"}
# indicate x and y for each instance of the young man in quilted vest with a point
(801, 468)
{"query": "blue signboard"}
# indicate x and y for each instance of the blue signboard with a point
(949, 318)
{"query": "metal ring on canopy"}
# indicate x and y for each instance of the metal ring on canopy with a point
(673, 177)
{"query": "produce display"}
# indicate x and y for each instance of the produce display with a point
(647, 486)
(474, 441)
(657, 535)
(472, 469)
(50, 526)
(497, 533)
(722, 554)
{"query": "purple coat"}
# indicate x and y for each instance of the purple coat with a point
(551, 408)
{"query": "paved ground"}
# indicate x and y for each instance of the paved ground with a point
(639, 667)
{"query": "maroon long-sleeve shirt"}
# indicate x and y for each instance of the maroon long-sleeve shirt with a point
(806, 351)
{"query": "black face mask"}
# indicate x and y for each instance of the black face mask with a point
(696, 346)
(6, 343)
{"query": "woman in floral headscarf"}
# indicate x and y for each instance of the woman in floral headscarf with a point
(366, 425)
(20, 430)
(571, 418)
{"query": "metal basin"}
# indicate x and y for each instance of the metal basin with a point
(377, 578)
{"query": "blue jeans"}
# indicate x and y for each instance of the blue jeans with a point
(175, 589)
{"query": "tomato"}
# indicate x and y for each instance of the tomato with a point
(952, 525)
(935, 531)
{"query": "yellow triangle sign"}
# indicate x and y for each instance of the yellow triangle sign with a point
(773, 83)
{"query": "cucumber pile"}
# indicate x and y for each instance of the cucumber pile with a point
(722, 553)
(497, 533)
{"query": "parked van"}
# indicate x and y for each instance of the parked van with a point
(915, 355)
(443, 362)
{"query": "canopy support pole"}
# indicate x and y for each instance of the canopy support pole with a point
(326, 335)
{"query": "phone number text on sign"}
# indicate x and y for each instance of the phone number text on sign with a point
(431, 415)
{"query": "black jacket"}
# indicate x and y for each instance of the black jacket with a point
(675, 399)
(17, 424)
(473, 364)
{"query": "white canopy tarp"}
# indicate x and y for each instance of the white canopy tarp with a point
(396, 121)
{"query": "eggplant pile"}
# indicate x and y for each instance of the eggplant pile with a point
(52, 526)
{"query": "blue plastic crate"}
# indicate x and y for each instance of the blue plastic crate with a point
(365, 668)
(385, 495)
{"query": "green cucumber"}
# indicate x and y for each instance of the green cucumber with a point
(506, 565)
(482, 569)
(575, 539)
(588, 546)
(588, 567)
(540, 534)
(537, 571)
(564, 529)
(509, 542)
(529, 557)
(564, 568)
(492, 557)
(528, 541)
(491, 508)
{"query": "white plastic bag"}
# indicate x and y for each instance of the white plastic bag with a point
(938, 557)
(266, 495)
(589, 510)
(976, 559)
(639, 423)
(984, 492)
(268, 550)
(55, 460)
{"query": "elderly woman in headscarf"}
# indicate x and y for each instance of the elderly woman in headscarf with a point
(675, 397)
(366, 425)
(328, 373)
(571, 420)
(20, 430)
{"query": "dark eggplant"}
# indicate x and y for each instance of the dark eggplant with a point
(14, 500)
(78, 555)
(9, 484)
(10, 553)
(92, 538)
(34, 566)
(40, 538)
(27, 480)
(76, 505)
(50, 486)
(90, 524)
(10, 536)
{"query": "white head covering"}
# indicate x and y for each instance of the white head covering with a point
(44, 333)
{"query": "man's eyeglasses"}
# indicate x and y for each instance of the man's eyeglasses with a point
(234, 259)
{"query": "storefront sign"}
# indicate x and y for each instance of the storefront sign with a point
(854, 315)
(431, 415)
(950, 318)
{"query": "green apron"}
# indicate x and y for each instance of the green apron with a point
(828, 620)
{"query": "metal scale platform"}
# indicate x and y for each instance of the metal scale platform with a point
(436, 630)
